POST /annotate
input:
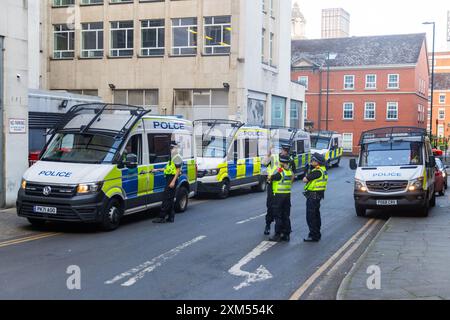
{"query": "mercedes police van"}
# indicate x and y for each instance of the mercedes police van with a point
(300, 143)
(97, 166)
(395, 168)
(328, 144)
(229, 156)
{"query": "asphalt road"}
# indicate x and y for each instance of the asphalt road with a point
(200, 256)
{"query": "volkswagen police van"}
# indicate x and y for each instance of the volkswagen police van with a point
(328, 144)
(300, 143)
(395, 169)
(229, 156)
(97, 166)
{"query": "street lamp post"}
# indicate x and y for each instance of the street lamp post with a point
(330, 56)
(432, 77)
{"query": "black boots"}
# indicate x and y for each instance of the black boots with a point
(267, 230)
(275, 238)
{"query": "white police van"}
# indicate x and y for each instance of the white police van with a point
(229, 156)
(328, 144)
(395, 168)
(97, 166)
(299, 142)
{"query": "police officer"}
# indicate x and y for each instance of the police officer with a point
(273, 163)
(316, 184)
(171, 173)
(281, 202)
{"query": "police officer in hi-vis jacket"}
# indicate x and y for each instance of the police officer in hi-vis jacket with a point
(316, 184)
(172, 172)
(281, 202)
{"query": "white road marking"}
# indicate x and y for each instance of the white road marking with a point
(261, 273)
(140, 271)
(251, 219)
(300, 291)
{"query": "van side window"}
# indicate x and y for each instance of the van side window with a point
(300, 146)
(159, 147)
(251, 148)
(134, 145)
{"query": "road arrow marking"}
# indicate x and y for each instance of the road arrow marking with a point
(261, 273)
(140, 271)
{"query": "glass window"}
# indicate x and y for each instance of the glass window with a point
(392, 111)
(122, 38)
(133, 146)
(303, 80)
(81, 148)
(217, 35)
(371, 81)
(251, 148)
(142, 98)
(397, 153)
(348, 111)
(184, 36)
(442, 98)
(159, 147)
(152, 37)
(92, 40)
(347, 142)
(369, 111)
(263, 45)
(63, 3)
(349, 82)
(442, 114)
(319, 142)
(64, 41)
(393, 81)
(91, 1)
(271, 48)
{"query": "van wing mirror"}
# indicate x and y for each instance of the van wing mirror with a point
(353, 164)
(131, 161)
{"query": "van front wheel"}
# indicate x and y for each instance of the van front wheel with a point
(111, 216)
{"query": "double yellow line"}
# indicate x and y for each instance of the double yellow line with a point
(27, 239)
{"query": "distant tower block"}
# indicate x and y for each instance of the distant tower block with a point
(298, 29)
(335, 23)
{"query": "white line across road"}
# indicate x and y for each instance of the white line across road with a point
(251, 219)
(353, 243)
(137, 273)
(261, 273)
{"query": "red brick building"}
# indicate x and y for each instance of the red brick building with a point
(374, 82)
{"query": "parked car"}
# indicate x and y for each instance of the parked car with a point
(439, 181)
(443, 169)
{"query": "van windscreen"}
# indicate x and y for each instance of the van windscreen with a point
(319, 143)
(391, 153)
(81, 148)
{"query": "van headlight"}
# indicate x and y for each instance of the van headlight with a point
(87, 188)
(416, 184)
(24, 184)
(360, 186)
(212, 172)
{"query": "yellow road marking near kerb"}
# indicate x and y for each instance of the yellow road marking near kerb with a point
(300, 291)
(27, 239)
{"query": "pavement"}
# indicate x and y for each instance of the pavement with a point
(215, 250)
(413, 257)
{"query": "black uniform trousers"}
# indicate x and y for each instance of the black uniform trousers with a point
(168, 200)
(281, 210)
(313, 215)
(269, 214)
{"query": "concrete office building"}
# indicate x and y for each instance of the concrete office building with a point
(335, 23)
(13, 97)
(195, 58)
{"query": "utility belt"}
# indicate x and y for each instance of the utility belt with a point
(313, 195)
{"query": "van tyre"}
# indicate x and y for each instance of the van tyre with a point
(360, 211)
(337, 163)
(111, 216)
(37, 223)
(262, 185)
(181, 200)
(424, 210)
(433, 200)
(224, 189)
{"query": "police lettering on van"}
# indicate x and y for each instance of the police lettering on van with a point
(98, 166)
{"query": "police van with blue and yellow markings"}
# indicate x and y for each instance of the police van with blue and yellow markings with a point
(229, 156)
(328, 144)
(97, 166)
(300, 146)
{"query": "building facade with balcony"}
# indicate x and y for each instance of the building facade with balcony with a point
(374, 82)
(194, 58)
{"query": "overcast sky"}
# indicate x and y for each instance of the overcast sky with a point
(378, 17)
